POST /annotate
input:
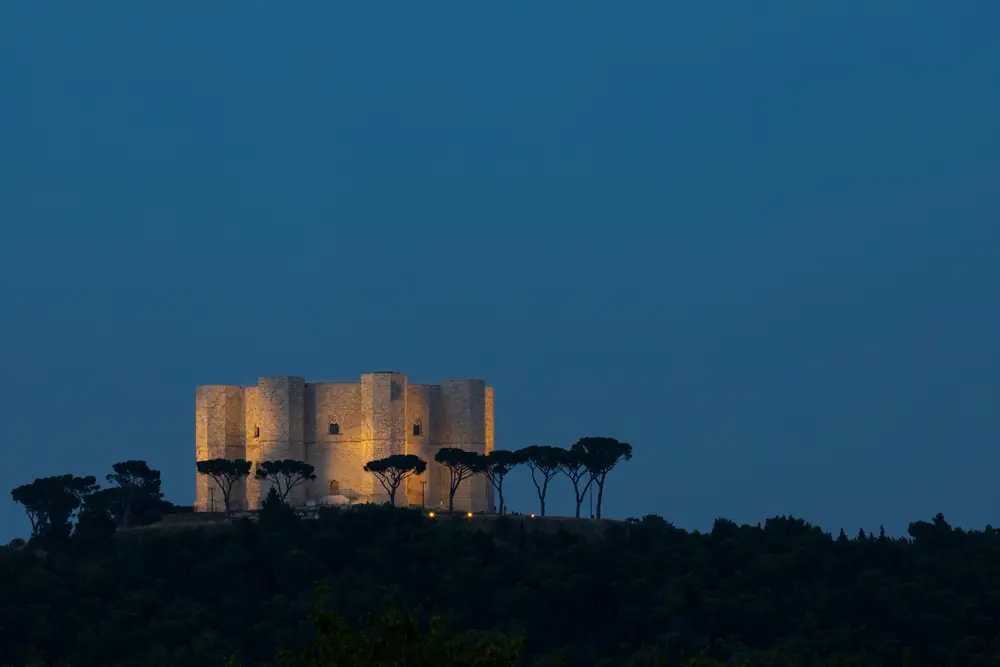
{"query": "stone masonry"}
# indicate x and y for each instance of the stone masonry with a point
(338, 427)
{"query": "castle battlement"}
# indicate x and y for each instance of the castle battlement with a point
(338, 427)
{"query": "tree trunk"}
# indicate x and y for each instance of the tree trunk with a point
(128, 509)
(392, 496)
(500, 493)
(579, 501)
(451, 500)
(600, 497)
(540, 491)
(224, 490)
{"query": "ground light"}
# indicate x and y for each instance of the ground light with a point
(431, 515)
(469, 515)
(532, 516)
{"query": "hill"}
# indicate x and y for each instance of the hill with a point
(631, 593)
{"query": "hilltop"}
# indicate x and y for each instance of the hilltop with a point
(638, 592)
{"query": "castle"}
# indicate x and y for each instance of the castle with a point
(338, 427)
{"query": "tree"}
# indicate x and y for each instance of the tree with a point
(392, 470)
(97, 518)
(32, 497)
(225, 472)
(600, 456)
(138, 492)
(275, 514)
(544, 460)
(397, 638)
(572, 464)
(460, 464)
(285, 474)
(50, 502)
(495, 466)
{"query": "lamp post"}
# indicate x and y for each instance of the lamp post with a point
(591, 500)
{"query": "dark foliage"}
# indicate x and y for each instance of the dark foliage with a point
(599, 456)
(395, 639)
(275, 514)
(50, 503)
(638, 593)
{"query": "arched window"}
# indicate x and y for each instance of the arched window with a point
(334, 427)
(334, 487)
(256, 431)
(417, 427)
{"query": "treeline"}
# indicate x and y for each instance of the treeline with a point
(396, 588)
(134, 497)
(586, 463)
(380, 586)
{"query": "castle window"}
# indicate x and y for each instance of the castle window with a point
(256, 431)
(334, 428)
(416, 427)
(334, 487)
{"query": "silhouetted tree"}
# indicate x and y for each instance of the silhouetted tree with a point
(275, 514)
(460, 464)
(600, 456)
(392, 470)
(545, 461)
(285, 475)
(96, 519)
(136, 490)
(495, 466)
(225, 472)
(50, 503)
(573, 465)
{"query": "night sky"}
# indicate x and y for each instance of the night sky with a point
(760, 241)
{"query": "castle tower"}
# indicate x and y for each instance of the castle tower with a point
(275, 421)
(383, 410)
(419, 439)
(218, 435)
(461, 423)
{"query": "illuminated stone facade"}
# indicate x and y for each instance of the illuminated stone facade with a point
(338, 427)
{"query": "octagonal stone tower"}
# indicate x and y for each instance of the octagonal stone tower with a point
(275, 420)
(218, 434)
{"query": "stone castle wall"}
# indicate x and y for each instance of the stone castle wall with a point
(488, 424)
(462, 424)
(218, 434)
(274, 430)
(286, 417)
(339, 457)
(419, 398)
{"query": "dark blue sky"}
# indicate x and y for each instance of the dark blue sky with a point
(757, 240)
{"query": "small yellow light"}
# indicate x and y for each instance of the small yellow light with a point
(470, 515)
(431, 515)
(532, 516)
